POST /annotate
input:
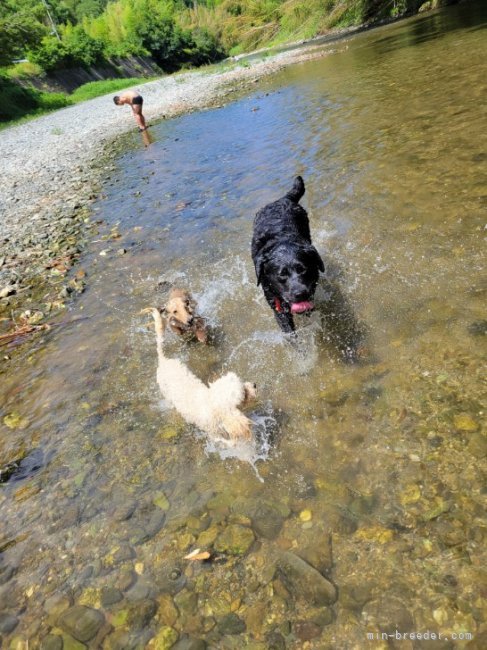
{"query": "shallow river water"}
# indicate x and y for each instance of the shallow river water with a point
(359, 516)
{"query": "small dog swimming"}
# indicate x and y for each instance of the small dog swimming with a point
(180, 310)
(213, 408)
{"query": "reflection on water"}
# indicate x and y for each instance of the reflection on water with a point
(368, 476)
(147, 137)
(431, 26)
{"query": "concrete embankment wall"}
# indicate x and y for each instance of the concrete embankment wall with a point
(70, 79)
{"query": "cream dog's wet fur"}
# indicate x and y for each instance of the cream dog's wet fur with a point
(213, 408)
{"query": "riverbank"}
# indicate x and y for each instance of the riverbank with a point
(53, 168)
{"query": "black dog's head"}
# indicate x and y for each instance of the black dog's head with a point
(290, 271)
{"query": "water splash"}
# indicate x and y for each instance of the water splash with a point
(265, 427)
(229, 279)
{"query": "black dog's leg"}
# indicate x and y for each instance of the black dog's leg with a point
(284, 319)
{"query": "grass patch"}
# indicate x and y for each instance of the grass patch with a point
(105, 86)
(53, 101)
(18, 104)
(23, 70)
(347, 15)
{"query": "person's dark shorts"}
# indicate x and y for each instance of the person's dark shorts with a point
(137, 101)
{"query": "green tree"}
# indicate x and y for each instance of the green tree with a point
(20, 28)
(76, 48)
(81, 8)
(80, 47)
(50, 54)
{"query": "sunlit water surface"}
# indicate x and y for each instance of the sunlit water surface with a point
(370, 472)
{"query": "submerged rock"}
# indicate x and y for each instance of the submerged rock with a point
(477, 445)
(90, 597)
(189, 643)
(139, 591)
(56, 604)
(478, 328)
(125, 579)
(110, 596)
(305, 582)
(6, 572)
(275, 641)
(267, 521)
(318, 553)
(167, 611)
(389, 614)
(354, 595)
(155, 523)
(117, 640)
(165, 638)
(140, 615)
(306, 630)
(170, 579)
(15, 421)
(465, 423)
(71, 644)
(186, 602)
(52, 642)
(124, 511)
(207, 537)
(231, 624)
(235, 540)
(82, 623)
(160, 500)
(8, 623)
(121, 553)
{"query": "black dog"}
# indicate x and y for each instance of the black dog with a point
(286, 263)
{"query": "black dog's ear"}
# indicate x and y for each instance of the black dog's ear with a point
(317, 258)
(258, 263)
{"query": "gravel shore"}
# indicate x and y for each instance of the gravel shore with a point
(52, 168)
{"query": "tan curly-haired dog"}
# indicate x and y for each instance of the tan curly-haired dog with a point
(180, 310)
(213, 408)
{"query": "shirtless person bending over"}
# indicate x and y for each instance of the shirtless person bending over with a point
(134, 100)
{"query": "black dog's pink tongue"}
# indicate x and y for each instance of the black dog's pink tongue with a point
(300, 307)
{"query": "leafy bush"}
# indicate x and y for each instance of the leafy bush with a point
(82, 49)
(76, 48)
(53, 101)
(151, 27)
(163, 40)
(51, 54)
(24, 70)
(206, 49)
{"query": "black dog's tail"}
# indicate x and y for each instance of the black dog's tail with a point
(297, 190)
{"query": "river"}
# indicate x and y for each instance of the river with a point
(360, 511)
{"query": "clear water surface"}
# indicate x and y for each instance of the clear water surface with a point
(370, 473)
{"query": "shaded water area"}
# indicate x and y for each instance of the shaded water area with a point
(362, 510)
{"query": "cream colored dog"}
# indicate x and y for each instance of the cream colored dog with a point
(213, 408)
(180, 310)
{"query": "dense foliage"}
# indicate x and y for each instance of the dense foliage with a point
(65, 33)
(176, 33)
